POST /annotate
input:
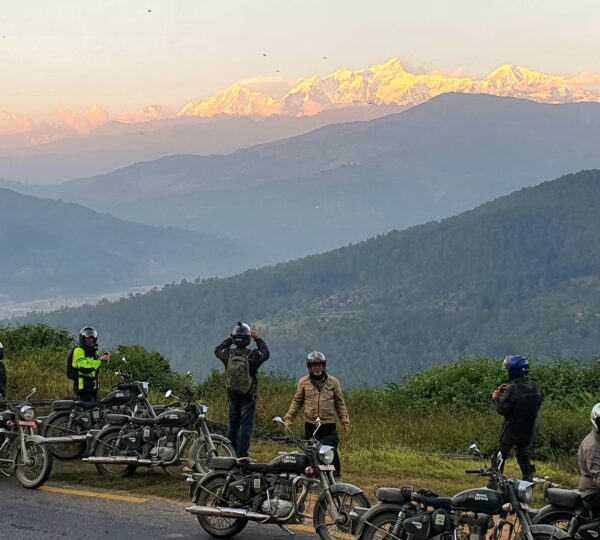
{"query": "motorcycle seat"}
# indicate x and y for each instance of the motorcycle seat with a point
(117, 419)
(223, 463)
(262, 468)
(569, 498)
(63, 405)
(88, 404)
(391, 495)
(435, 502)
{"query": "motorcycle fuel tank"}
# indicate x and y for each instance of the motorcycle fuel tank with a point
(5, 417)
(483, 500)
(293, 462)
(120, 397)
(173, 418)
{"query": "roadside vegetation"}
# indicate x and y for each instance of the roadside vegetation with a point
(415, 433)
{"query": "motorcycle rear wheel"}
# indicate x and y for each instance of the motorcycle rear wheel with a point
(323, 521)
(380, 528)
(560, 520)
(107, 447)
(36, 471)
(220, 527)
(198, 458)
(58, 427)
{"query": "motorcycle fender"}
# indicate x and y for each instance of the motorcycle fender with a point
(359, 524)
(196, 486)
(100, 434)
(50, 420)
(547, 511)
(547, 530)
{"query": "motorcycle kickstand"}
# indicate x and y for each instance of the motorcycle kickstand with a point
(286, 530)
(164, 468)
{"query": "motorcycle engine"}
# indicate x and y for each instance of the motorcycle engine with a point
(164, 449)
(277, 507)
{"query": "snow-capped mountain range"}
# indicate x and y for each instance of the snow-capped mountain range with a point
(385, 84)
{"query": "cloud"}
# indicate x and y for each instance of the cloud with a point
(11, 124)
(83, 122)
(146, 114)
(275, 86)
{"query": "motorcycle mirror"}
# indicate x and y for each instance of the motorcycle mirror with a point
(124, 360)
(33, 391)
(168, 393)
(277, 420)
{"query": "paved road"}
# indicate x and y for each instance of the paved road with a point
(55, 515)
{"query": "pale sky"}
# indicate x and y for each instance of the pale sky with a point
(118, 55)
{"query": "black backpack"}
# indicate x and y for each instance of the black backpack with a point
(237, 373)
(72, 372)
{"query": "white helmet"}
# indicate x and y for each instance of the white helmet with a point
(595, 416)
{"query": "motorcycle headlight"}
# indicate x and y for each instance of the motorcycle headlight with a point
(524, 491)
(27, 413)
(326, 454)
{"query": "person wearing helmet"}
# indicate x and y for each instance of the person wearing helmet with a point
(241, 374)
(2, 374)
(83, 365)
(588, 459)
(519, 402)
(321, 396)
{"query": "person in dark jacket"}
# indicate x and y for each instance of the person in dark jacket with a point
(241, 369)
(588, 459)
(519, 403)
(2, 373)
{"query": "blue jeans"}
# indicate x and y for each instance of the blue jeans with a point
(241, 425)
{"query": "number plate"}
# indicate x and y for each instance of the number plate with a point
(26, 424)
(326, 467)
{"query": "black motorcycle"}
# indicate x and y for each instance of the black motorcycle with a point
(566, 510)
(234, 493)
(22, 451)
(75, 421)
(128, 442)
(405, 514)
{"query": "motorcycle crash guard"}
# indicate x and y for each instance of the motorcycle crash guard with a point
(358, 525)
(546, 530)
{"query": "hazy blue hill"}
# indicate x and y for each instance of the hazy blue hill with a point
(348, 182)
(52, 248)
(520, 274)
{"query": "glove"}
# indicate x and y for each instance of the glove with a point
(426, 492)
(407, 491)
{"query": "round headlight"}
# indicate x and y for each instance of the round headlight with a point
(27, 413)
(524, 491)
(326, 454)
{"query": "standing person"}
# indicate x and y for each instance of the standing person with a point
(2, 374)
(241, 370)
(519, 403)
(83, 365)
(588, 459)
(321, 395)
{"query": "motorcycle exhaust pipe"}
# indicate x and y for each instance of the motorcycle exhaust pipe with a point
(119, 461)
(221, 511)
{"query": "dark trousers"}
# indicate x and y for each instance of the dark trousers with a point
(523, 451)
(87, 395)
(592, 502)
(327, 434)
(241, 425)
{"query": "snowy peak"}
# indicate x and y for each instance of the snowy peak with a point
(386, 84)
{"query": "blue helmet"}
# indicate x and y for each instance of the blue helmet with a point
(517, 366)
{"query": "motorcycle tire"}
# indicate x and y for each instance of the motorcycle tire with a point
(106, 447)
(324, 524)
(559, 519)
(550, 534)
(36, 471)
(198, 458)
(219, 527)
(380, 527)
(57, 427)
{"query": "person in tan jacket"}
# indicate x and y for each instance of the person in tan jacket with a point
(321, 396)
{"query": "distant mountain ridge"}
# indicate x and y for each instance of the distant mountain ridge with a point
(385, 84)
(519, 275)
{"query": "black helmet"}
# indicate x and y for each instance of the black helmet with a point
(241, 334)
(88, 332)
(315, 357)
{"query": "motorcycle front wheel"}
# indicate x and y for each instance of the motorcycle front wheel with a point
(58, 427)
(220, 527)
(199, 453)
(380, 528)
(106, 447)
(32, 473)
(326, 526)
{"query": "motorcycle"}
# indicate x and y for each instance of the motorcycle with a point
(128, 442)
(237, 492)
(566, 510)
(22, 451)
(76, 420)
(405, 514)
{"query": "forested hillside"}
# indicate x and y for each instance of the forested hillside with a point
(518, 275)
